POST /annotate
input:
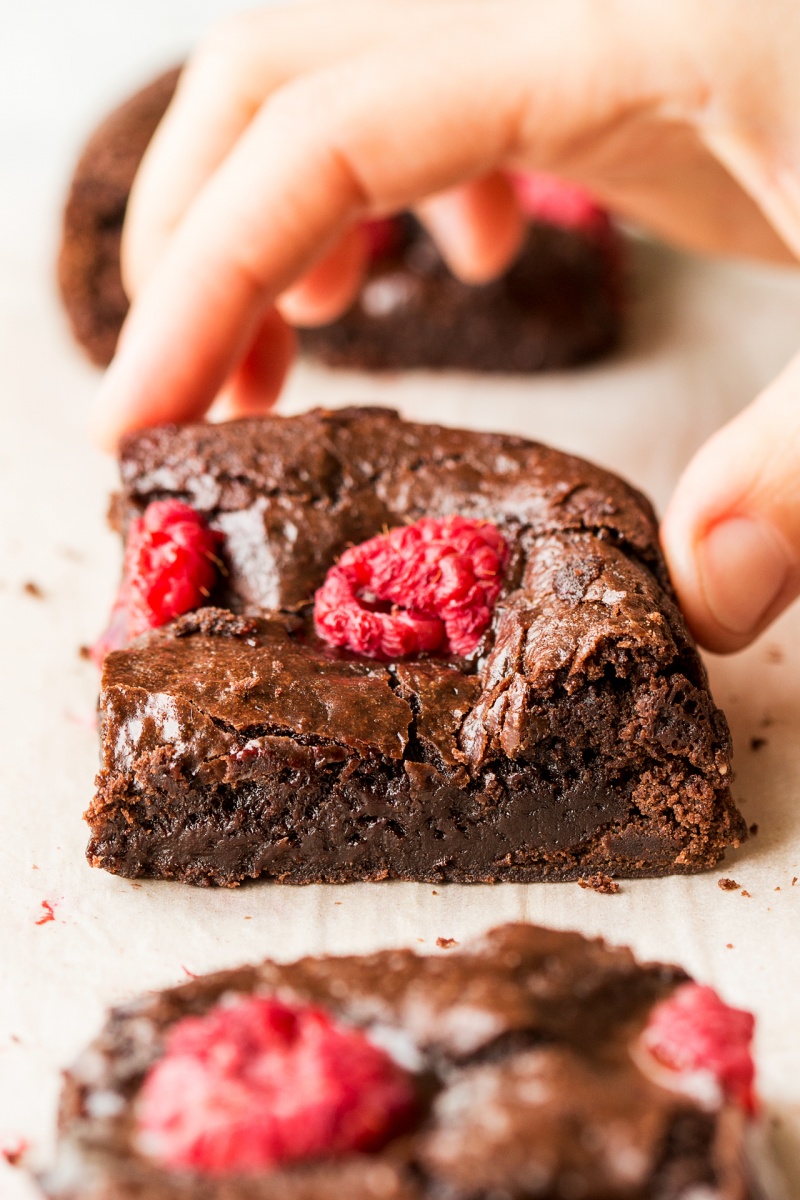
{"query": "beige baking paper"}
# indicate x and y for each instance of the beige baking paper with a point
(704, 338)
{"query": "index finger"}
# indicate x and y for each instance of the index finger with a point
(379, 131)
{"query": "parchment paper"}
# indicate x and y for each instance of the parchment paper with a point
(704, 337)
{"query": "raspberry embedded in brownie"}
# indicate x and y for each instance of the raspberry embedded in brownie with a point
(425, 588)
(577, 736)
(694, 1033)
(256, 1082)
(509, 1067)
(170, 568)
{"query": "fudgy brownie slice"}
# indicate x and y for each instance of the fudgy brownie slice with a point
(531, 1064)
(577, 735)
(557, 306)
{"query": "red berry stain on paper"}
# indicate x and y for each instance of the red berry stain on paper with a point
(48, 912)
(14, 1151)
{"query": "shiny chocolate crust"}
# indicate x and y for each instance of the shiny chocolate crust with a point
(559, 304)
(579, 738)
(521, 1048)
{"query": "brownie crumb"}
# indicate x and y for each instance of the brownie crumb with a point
(446, 943)
(754, 829)
(213, 622)
(757, 742)
(777, 889)
(32, 589)
(729, 946)
(600, 883)
(747, 894)
(794, 880)
(85, 652)
(728, 885)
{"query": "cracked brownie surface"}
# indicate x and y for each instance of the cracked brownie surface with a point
(525, 1053)
(579, 737)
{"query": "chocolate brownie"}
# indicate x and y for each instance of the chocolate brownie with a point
(538, 1064)
(88, 262)
(558, 305)
(578, 737)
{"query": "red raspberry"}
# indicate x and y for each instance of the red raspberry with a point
(256, 1082)
(418, 589)
(695, 1031)
(382, 237)
(170, 568)
(545, 198)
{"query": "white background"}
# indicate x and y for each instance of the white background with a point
(703, 339)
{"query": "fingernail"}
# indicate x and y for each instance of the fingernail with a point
(743, 564)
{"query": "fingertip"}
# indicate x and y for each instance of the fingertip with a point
(478, 227)
(107, 420)
(330, 287)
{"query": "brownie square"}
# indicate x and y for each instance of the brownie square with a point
(579, 738)
(524, 1050)
(558, 305)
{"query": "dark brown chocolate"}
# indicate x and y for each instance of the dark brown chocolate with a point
(521, 1047)
(558, 305)
(580, 738)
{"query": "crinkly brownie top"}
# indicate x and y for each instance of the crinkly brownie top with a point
(531, 1062)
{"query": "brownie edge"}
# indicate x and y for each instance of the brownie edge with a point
(523, 1048)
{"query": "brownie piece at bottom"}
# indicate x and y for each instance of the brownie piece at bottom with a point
(524, 1048)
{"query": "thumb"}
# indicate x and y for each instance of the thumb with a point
(732, 531)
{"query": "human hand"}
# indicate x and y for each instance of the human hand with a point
(292, 124)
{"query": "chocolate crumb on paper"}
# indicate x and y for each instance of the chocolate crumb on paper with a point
(599, 883)
(32, 589)
(754, 829)
(746, 894)
(756, 743)
(446, 943)
(728, 885)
